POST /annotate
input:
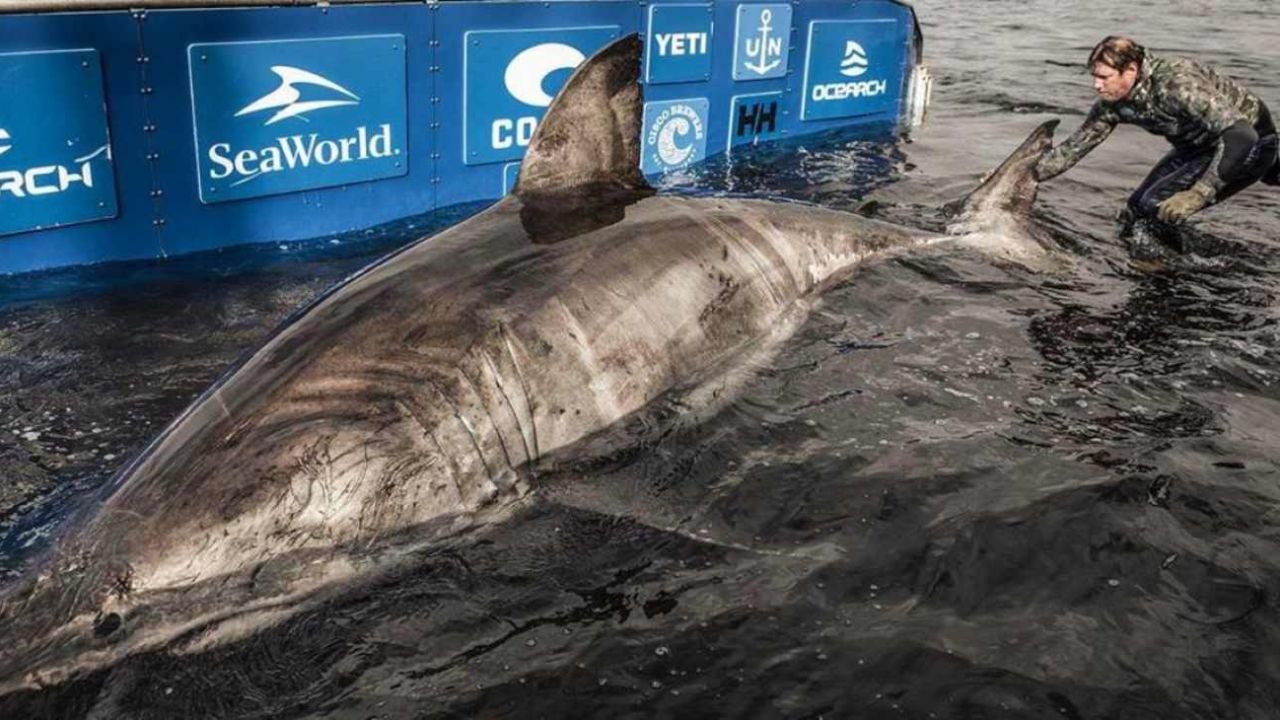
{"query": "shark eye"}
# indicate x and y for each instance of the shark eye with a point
(105, 625)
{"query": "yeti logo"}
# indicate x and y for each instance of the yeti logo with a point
(855, 60)
(287, 96)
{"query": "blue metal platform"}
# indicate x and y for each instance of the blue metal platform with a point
(143, 133)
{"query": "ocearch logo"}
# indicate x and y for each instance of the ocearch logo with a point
(854, 64)
(525, 78)
(47, 179)
(287, 95)
(855, 60)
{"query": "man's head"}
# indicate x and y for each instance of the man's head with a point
(1116, 63)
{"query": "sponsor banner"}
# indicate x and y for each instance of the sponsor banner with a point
(755, 118)
(679, 43)
(852, 68)
(509, 79)
(55, 150)
(761, 41)
(675, 134)
(283, 116)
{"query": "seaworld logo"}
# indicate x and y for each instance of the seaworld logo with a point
(303, 150)
(300, 152)
(287, 96)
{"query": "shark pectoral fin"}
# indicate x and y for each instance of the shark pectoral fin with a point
(588, 142)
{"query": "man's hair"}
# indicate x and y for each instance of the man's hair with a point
(1117, 52)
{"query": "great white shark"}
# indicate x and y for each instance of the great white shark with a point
(428, 392)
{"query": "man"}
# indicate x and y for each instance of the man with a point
(1223, 136)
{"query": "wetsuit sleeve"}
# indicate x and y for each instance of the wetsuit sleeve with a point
(1203, 104)
(1096, 128)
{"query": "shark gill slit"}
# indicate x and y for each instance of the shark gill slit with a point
(454, 472)
(478, 391)
(462, 420)
(515, 416)
(524, 389)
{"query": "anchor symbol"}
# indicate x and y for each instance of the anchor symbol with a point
(760, 47)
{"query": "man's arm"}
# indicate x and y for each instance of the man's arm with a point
(1096, 128)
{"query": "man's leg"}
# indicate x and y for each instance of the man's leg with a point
(1262, 163)
(1176, 172)
(1146, 237)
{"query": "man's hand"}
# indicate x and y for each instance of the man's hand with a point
(1185, 204)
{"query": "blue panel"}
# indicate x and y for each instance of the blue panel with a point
(460, 180)
(55, 149)
(510, 173)
(852, 68)
(755, 118)
(510, 77)
(762, 41)
(278, 117)
(679, 43)
(114, 37)
(675, 134)
(195, 225)
(169, 192)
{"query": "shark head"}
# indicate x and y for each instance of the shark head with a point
(1010, 190)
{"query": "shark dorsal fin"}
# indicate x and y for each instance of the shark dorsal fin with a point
(590, 135)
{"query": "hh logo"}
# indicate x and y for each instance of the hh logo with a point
(501, 111)
(755, 118)
(842, 77)
(675, 134)
(761, 41)
(679, 47)
(278, 117)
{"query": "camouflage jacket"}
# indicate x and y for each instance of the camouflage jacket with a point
(1188, 103)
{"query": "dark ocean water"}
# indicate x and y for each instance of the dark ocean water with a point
(960, 491)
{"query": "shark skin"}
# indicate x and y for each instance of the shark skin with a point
(425, 395)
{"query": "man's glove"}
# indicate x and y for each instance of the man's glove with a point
(1185, 204)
